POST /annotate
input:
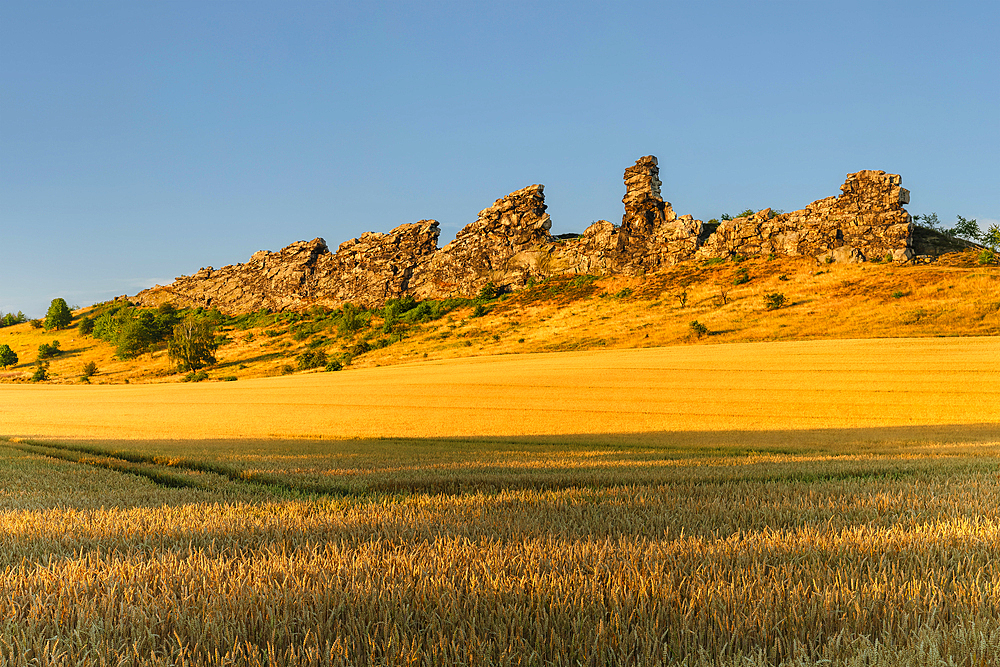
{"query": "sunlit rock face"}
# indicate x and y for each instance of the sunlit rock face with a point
(866, 222)
(509, 245)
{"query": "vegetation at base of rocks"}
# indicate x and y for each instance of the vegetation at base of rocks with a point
(86, 325)
(58, 316)
(193, 343)
(563, 313)
(774, 300)
(743, 214)
(134, 331)
(963, 228)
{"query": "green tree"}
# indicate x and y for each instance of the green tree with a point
(7, 356)
(59, 315)
(86, 325)
(193, 344)
(991, 238)
(966, 229)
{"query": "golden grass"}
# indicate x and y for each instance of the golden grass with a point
(808, 503)
(896, 568)
(743, 387)
(823, 302)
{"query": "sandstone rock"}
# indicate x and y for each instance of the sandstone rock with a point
(509, 244)
(868, 216)
(506, 245)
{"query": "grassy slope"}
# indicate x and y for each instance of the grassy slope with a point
(827, 301)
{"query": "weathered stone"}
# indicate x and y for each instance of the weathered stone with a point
(505, 246)
(868, 218)
(509, 244)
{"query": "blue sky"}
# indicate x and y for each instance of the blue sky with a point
(143, 140)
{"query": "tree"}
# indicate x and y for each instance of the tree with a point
(59, 315)
(991, 238)
(966, 229)
(7, 356)
(193, 344)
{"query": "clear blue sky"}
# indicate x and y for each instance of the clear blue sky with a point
(144, 140)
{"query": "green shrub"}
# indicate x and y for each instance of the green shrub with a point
(897, 295)
(196, 376)
(10, 319)
(41, 373)
(624, 294)
(360, 348)
(229, 378)
(8, 357)
(35, 324)
(89, 369)
(698, 329)
(742, 276)
(488, 292)
(49, 350)
(480, 310)
(334, 366)
(987, 256)
(311, 359)
(86, 325)
(783, 277)
(774, 300)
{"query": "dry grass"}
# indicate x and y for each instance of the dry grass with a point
(578, 313)
(742, 387)
(810, 564)
(805, 503)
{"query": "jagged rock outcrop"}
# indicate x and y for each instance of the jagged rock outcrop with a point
(503, 246)
(374, 267)
(509, 244)
(867, 221)
(651, 234)
(283, 280)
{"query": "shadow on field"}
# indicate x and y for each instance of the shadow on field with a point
(291, 466)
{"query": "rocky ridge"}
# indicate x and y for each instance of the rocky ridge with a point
(509, 245)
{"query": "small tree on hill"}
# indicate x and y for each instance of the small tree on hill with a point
(193, 344)
(966, 229)
(8, 357)
(59, 315)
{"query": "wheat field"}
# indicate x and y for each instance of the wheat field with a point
(812, 503)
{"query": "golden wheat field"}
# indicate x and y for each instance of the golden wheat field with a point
(803, 503)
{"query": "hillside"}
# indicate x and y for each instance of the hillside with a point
(953, 297)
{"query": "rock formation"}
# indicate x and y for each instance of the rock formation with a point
(509, 244)
(866, 222)
(501, 247)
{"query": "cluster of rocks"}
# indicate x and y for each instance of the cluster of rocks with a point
(509, 245)
(866, 222)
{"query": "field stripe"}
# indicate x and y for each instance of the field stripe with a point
(750, 386)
